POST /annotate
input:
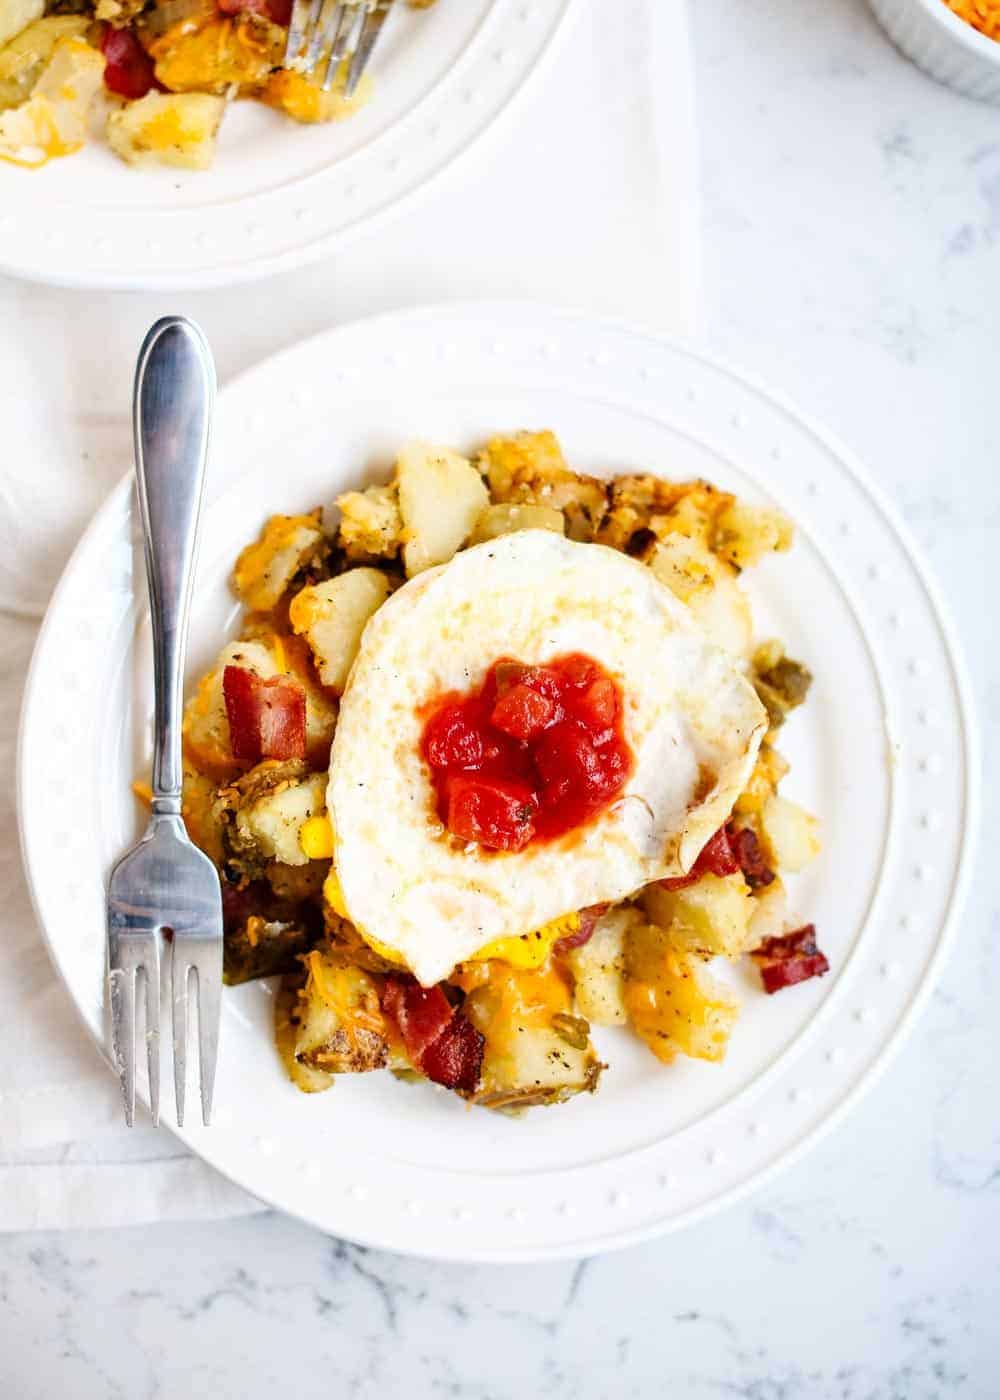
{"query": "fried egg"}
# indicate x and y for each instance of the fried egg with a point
(691, 719)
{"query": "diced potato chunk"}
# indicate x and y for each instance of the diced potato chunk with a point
(505, 519)
(167, 128)
(289, 1014)
(744, 533)
(522, 459)
(341, 1029)
(265, 568)
(770, 914)
(711, 916)
(206, 727)
(22, 59)
(16, 15)
(321, 707)
(197, 803)
(718, 604)
(305, 101)
(272, 825)
(370, 525)
(537, 1051)
(598, 969)
(53, 121)
(789, 834)
(530, 467)
(215, 53)
(641, 504)
(673, 1003)
(332, 616)
(120, 11)
(441, 495)
(768, 772)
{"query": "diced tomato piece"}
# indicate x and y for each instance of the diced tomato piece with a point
(129, 70)
(267, 718)
(550, 735)
(792, 958)
(567, 762)
(578, 670)
(615, 764)
(596, 706)
(455, 1058)
(497, 812)
(502, 675)
(421, 1013)
(454, 738)
(746, 849)
(522, 712)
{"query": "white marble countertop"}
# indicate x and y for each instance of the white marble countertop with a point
(852, 257)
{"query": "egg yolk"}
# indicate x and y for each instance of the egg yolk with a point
(535, 753)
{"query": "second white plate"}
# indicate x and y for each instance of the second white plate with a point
(279, 195)
(883, 753)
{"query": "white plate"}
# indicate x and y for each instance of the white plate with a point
(279, 194)
(883, 752)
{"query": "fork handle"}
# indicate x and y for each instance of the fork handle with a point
(171, 411)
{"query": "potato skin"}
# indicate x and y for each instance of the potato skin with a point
(536, 1052)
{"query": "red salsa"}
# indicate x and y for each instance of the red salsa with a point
(533, 754)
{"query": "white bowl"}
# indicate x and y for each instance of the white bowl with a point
(943, 45)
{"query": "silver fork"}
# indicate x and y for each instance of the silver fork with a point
(326, 32)
(164, 884)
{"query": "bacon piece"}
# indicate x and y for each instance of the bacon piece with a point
(129, 69)
(794, 957)
(277, 11)
(439, 1040)
(716, 857)
(746, 849)
(455, 1058)
(239, 902)
(588, 922)
(421, 1013)
(267, 718)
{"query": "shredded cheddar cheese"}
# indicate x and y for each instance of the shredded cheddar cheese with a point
(983, 15)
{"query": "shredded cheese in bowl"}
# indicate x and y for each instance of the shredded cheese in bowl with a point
(983, 15)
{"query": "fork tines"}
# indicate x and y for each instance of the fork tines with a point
(134, 957)
(324, 33)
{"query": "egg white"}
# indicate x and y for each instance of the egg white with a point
(694, 724)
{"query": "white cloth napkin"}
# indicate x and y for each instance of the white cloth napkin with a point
(585, 196)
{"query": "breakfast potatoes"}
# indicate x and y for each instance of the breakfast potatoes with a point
(310, 584)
